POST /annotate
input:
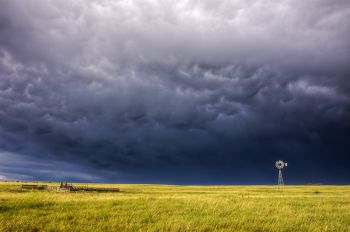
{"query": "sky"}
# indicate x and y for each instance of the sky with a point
(177, 92)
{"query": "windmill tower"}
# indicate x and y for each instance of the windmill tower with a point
(280, 165)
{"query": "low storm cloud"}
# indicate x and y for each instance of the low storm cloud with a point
(175, 91)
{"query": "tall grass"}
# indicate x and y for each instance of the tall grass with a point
(177, 208)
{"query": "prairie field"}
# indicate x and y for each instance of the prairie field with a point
(176, 208)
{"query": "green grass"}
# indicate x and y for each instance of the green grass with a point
(177, 208)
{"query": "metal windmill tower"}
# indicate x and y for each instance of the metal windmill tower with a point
(280, 165)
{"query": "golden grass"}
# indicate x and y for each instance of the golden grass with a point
(177, 208)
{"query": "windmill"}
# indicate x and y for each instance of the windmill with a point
(280, 165)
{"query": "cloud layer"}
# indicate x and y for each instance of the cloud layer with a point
(178, 91)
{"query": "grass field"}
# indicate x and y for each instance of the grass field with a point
(177, 208)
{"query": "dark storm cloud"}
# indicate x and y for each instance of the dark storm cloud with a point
(29, 168)
(183, 91)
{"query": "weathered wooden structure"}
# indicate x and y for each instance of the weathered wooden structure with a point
(34, 186)
(65, 187)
